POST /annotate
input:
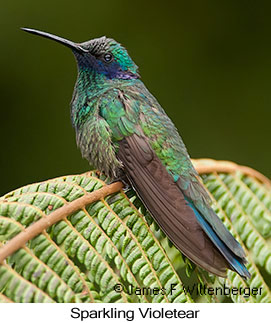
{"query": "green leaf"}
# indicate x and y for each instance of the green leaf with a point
(115, 242)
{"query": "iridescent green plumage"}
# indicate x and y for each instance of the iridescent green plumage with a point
(123, 131)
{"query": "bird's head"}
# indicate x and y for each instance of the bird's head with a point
(103, 56)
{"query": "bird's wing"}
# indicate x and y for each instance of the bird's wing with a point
(169, 147)
(165, 201)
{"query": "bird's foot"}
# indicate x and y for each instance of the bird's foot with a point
(122, 178)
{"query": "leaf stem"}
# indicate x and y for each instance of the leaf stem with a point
(61, 213)
(205, 166)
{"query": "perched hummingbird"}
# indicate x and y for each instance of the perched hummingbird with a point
(123, 131)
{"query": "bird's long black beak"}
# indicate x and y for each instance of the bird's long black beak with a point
(63, 41)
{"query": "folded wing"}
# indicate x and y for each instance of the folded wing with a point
(167, 204)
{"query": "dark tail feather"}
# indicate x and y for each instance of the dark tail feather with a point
(236, 263)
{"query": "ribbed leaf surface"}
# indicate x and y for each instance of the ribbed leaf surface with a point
(114, 242)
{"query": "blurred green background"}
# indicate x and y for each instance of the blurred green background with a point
(207, 62)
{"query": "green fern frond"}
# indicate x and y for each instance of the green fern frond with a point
(114, 242)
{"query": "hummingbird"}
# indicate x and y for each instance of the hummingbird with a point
(122, 130)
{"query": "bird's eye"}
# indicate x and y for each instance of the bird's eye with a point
(108, 57)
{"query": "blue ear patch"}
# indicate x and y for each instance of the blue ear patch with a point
(121, 67)
(114, 71)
